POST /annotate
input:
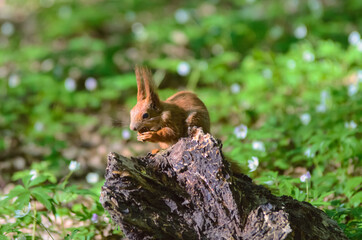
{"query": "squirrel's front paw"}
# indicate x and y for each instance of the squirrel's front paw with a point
(146, 136)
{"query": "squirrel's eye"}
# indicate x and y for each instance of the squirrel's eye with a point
(145, 115)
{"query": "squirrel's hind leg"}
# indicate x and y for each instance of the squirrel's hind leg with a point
(191, 119)
(195, 119)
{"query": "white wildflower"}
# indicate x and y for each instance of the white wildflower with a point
(352, 89)
(3, 197)
(138, 28)
(39, 126)
(69, 84)
(321, 108)
(269, 183)
(14, 80)
(253, 164)
(74, 165)
(241, 131)
(235, 88)
(308, 153)
(359, 76)
(259, 146)
(182, 16)
(324, 96)
(301, 31)
(7, 29)
(305, 177)
(23, 212)
(354, 38)
(350, 125)
(90, 84)
(308, 56)
(359, 46)
(183, 68)
(305, 118)
(126, 134)
(139, 31)
(94, 218)
(92, 177)
(33, 174)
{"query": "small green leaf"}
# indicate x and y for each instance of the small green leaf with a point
(16, 191)
(22, 200)
(2, 237)
(353, 183)
(356, 199)
(42, 196)
(38, 180)
(26, 180)
(282, 164)
(285, 188)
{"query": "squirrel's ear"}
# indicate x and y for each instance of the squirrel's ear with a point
(141, 93)
(151, 93)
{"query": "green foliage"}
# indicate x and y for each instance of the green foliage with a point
(282, 82)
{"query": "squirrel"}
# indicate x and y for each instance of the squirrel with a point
(165, 122)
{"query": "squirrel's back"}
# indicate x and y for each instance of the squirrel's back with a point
(195, 109)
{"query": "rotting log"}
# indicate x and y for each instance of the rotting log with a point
(189, 192)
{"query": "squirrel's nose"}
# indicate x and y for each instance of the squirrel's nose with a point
(133, 126)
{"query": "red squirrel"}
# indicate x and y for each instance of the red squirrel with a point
(165, 122)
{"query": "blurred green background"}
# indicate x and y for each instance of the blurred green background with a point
(281, 79)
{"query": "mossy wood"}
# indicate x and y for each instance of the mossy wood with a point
(189, 192)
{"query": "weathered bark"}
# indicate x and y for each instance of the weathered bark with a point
(189, 192)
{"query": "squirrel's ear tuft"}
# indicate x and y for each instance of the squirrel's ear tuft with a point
(141, 93)
(151, 93)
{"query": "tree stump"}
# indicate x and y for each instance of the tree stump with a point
(189, 192)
